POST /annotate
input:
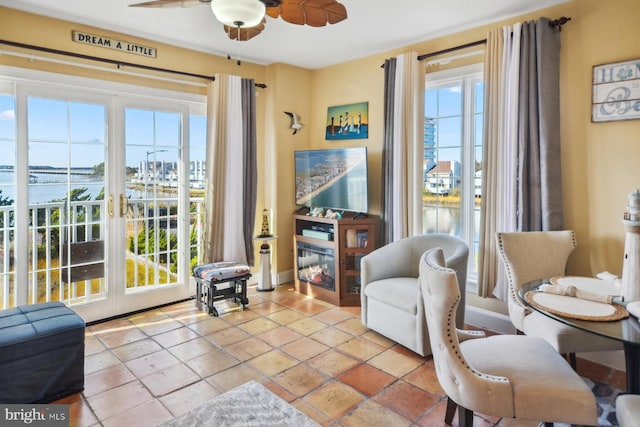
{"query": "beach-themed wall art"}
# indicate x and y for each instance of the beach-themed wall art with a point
(348, 122)
(616, 91)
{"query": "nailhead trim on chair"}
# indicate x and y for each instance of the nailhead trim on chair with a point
(451, 329)
(509, 272)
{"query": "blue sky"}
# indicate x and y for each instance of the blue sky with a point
(52, 123)
(446, 104)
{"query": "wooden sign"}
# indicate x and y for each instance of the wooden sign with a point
(115, 44)
(616, 91)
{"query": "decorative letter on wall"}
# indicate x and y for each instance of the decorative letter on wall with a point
(616, 91)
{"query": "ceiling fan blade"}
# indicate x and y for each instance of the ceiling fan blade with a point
(170, 3)
(315, 13)
(245, 33)
(335, 13)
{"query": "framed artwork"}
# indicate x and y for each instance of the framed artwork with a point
(616, 91)
(349, 121)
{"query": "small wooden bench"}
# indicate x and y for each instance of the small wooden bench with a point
(221, 280)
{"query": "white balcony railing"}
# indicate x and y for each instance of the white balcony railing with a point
(55, 227)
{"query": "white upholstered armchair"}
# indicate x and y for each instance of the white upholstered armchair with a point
(391, 299)
(514, 376)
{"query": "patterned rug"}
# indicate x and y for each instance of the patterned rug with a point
(248, 405)
(606, 399)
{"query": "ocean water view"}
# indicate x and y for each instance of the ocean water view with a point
(49, 187)
(348, 191)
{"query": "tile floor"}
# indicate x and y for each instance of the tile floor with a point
(150, 367)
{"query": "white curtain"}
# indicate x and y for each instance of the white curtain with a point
(224, 233)
(502, 62)
(403, 147)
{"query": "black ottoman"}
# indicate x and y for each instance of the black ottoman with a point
(41, 353)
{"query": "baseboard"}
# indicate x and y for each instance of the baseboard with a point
(611, 359)
(487, 319)
(276, 278)
(283, 277)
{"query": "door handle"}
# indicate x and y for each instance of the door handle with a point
(124, 205)
(110, 205)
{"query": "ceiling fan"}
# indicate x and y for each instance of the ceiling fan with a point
(245, 19)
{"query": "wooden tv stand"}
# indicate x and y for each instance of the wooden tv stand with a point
(327, 254)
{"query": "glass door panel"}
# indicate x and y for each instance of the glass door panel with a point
(7, 200)
(67, 217)
(153, 144)
(197, 155)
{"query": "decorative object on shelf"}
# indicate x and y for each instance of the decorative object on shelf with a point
(294, 122)
(264, 275)
(615, 93)
(265, 224)
(348, 122)
(333, 214)
(319, 212)
(630, 287)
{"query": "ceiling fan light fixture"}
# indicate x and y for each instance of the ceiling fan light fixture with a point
(239, 13)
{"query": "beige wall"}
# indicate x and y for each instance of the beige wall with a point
(600, 161)
(22, 27)
(292, 95)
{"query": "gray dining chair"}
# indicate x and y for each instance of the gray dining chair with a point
(534, 255)
(507, 376)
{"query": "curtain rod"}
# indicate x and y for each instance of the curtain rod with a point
(112, 61)
(555, 23)
(451, 49)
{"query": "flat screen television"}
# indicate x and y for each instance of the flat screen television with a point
(333, 178)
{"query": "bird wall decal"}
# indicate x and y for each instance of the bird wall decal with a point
(295, 122)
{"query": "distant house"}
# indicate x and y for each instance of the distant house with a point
(477, 183)
(442, 178)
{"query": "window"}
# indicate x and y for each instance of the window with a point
(452, 174)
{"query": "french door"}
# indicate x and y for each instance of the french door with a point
(96, 208)
(152, 221)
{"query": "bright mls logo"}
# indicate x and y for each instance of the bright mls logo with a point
(34, 415)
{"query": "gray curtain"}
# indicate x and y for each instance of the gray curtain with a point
(387, 151)
(522, 181)
(539, 165)
(250, 164)
(403, 147)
